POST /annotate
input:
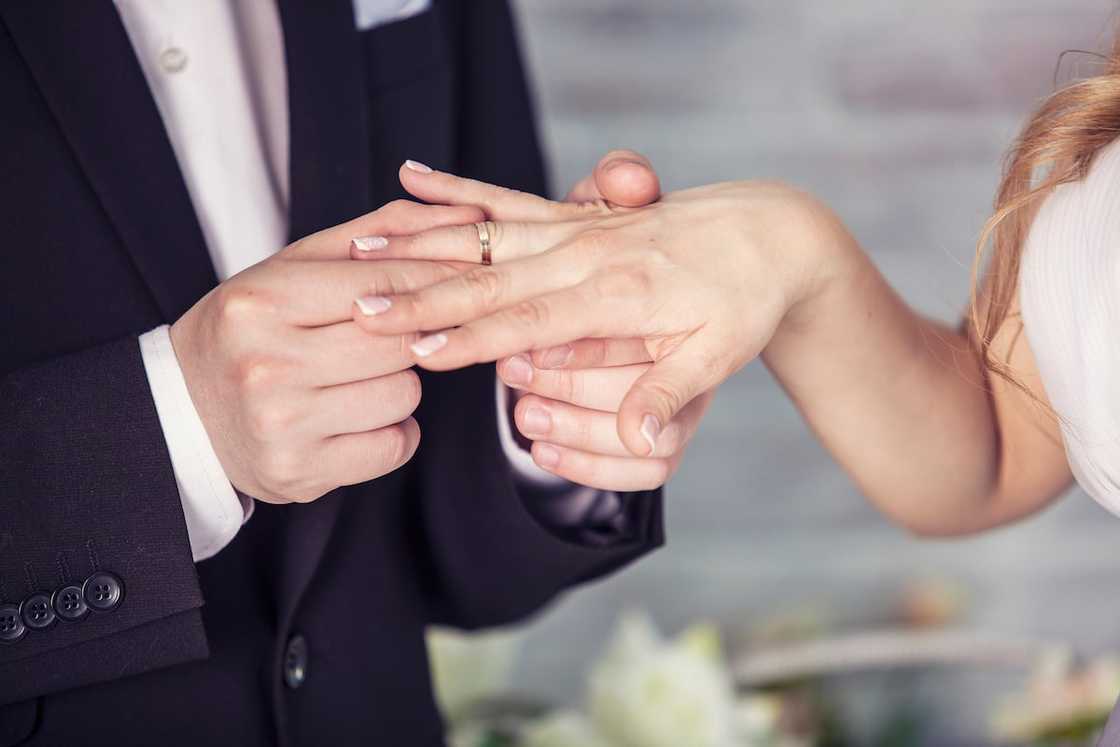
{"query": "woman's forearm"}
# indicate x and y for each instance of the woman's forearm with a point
(900, 401)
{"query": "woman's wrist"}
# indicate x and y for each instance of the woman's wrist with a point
(825, 259)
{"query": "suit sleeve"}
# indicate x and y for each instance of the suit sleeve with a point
(490, 559)
(95, 562)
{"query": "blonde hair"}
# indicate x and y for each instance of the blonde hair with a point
(1057, 145)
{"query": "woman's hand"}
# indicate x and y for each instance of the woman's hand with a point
(698, 282)
(570, 415)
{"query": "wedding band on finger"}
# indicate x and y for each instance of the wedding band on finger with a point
(484, 233)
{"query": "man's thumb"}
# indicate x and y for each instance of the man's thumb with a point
(627, 178)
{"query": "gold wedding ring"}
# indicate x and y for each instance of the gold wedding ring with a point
(484, 240)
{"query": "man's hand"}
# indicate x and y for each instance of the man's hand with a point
(296, 399)
(568, 405)
(570, 413)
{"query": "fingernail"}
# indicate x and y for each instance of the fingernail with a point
(557, 357)
(425, 346)
(546, 456)
(621, 161)
(370, 243)
(651, 429)
(518, 371)
(536, 421)
(373, 305)
(419, 168)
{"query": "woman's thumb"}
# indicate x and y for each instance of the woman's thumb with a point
(661, 392)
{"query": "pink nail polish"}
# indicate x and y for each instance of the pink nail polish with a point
(518, 371)
(419, 168)
(373, 305)
(651, 429)
(370, 243)
(425, 346)
(546, 456)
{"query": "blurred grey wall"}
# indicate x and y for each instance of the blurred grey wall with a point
(896, 112)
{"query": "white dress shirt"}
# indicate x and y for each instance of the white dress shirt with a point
(216, 71)
(1069, 289)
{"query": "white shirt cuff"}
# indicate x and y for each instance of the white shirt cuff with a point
(213, 510)
(520, 460)
(570, 504)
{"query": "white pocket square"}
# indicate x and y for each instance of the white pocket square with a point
(371, 13)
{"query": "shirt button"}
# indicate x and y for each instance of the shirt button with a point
(103, 591)
(173, 59)
(11, 624)
(69, 603)
(295, 662)
(37, 612)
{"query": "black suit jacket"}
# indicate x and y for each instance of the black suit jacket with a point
(99, 243)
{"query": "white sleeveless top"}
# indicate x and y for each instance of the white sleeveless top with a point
(1069, 289)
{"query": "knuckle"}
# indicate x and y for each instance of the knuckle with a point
(582, 430)
(254, 373)
(279, 472)
(485, 285)
(596, 352)
(665, 393)
(237, 304)
(569, 386)
(409, 390)
(530, 313)
(597, 207)
(267, 419)
(397, 205)
(394, 448)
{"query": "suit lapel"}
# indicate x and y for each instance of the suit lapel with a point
(82, 60)
(329, 184)
(84, 64)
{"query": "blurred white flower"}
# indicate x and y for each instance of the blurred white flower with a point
(563, 729)
(467, 668)
(758, 717)
(648, 692)
(1059, 697)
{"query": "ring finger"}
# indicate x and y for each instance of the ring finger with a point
(507, 239)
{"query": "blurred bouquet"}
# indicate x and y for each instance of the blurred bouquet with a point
(645, 691)
(1063, 704)
(797, 680)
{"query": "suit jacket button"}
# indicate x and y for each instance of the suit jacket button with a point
(37, 612)
(295, 662)
(69, 604)
(103, 591)
(11, 624)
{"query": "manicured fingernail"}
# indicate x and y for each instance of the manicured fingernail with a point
(651, 429)
(536, 421)
(557, 357)
(546, 456)
(518, 371)
(370, 243)
(419, 168)
(425, 346)
(373, 305)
